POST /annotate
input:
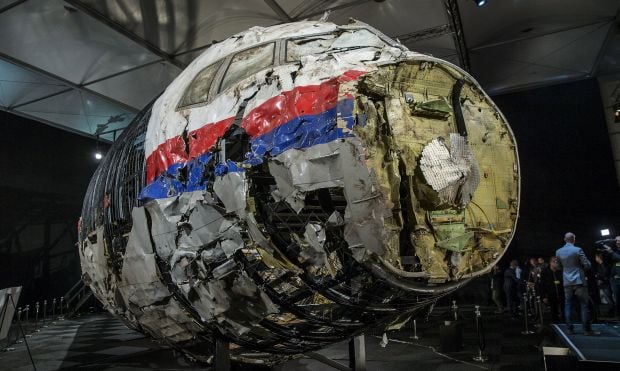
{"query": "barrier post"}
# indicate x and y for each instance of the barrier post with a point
(481, 339)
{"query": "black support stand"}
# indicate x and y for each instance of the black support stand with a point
(357, 356)
(357, 353)
(221, 359)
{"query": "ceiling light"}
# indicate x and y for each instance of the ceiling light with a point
(98, 155)
(480, 2)
(604, 232)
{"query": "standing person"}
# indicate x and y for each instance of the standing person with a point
(552, 289)
(603, 280)
(496, 288)
(614, 279)
(511, 285)
(542, 263)
(573, 262)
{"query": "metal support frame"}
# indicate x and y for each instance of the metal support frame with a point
(357, 353)
(331, 9)
(11, 5)
(279, 11)
(357, 356)
(425, 34)
(610, 35)
(95, 14)
(62, 80)
(84, 85)
(535, 36)
(221, 354)
(454, 16)
(50, 123)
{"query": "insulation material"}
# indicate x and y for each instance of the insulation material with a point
(452, 172)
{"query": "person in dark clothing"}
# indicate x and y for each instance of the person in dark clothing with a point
(552, 290)
(511, 288)
(603, 279)
(496, 288)
(542, 263)
(614, 279)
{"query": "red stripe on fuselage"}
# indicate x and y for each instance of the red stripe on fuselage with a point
(201, 140)
(274, 112)
(301, 100)
(171, 151)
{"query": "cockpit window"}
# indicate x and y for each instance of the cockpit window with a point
(317, 44)
(198, 91)
(248, 62)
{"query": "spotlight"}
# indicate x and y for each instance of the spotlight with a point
(480, 3)
(616, 109)
(98, 155)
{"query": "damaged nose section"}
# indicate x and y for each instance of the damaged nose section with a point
(404, 190)
(446, 161)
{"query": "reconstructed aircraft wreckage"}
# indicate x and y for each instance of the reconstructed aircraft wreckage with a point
(297, 185)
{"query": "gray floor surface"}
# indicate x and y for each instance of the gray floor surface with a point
(102, 342)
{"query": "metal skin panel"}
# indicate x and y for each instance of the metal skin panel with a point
(304, 203)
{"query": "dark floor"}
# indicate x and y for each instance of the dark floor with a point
(602, 348)
(101, 342)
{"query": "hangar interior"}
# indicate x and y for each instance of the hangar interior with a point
(74, 74)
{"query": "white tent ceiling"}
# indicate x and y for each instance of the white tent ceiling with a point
(88, 64)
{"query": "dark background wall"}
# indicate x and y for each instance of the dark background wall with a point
(568, 177)
(44, 173)
(568, 184)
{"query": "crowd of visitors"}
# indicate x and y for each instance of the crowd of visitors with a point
(567, 283)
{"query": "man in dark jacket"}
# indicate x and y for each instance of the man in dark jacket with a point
(552, 290)
(615, 273)
(496, 288)
(511, 285)
(602, 275)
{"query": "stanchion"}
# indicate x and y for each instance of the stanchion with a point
(27, 322)
(54, 309)
(481, 339)
(221, 359)
(19, 320)
(525, 304)
(540, 312)
(62, 299)
(415, 331)
(45, 313)
(455, 310)
(36, 317)
(357, 353)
